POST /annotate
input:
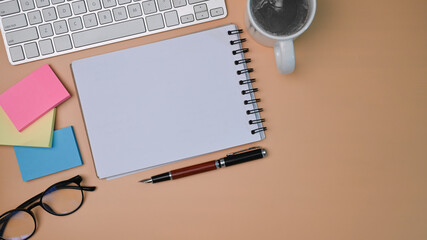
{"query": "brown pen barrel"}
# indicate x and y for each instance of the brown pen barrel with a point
(195, 169)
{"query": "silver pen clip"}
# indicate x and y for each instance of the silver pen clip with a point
(246, 150)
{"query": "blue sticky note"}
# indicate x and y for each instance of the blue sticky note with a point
(38, 162)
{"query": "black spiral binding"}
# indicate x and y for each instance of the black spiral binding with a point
(247, 81)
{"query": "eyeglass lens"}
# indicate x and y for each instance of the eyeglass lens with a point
(17, 225)
(62, 200)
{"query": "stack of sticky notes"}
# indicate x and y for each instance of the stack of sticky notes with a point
(27, 119)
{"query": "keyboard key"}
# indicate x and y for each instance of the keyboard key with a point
(202, 15)
(105, 17)
(21, 36)
(49, 14)
(64, 10)
(109, 3)
(75, 23)
(187, 18)
(62, 43)
(14, 22)
(46, 47)
(110, 32)
(134, 10)
(164, 4)
(27, 5)
(200, 8)
(124, 1)
(42, 3)
(46, 30)
(9, 7)
(217, 12)
(60, 27)
(120, 13)
(16, 53)
(155, 22)
(90, 20)
(179, 3)
(149, 7)
(34, 17)
(171, 18)
(195, 1)
(57, 2)
(93, 5)
(79, 7)
(31, 50)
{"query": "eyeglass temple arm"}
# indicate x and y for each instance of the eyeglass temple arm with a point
(90, 189)
(31, 200)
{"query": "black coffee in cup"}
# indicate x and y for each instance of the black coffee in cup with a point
(280, 17)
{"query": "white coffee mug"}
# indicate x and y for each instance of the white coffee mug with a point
(283, 44)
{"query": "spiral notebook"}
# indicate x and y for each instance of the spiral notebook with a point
(168, 101)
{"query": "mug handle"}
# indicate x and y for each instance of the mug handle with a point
(285, 56)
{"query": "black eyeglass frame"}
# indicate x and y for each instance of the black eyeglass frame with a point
(28, 205)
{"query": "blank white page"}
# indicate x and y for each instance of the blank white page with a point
(162, 102)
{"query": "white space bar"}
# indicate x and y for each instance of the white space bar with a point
(110, 32)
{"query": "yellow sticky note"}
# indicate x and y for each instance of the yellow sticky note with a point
(38, 134)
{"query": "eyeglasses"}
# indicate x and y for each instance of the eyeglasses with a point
(60, 199)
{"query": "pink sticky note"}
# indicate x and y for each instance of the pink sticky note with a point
(32, 97)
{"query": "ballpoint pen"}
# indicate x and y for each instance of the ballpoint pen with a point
(231, 159)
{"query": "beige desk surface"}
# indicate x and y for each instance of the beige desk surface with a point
(347, 142)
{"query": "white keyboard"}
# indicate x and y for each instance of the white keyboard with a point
(38, 29)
